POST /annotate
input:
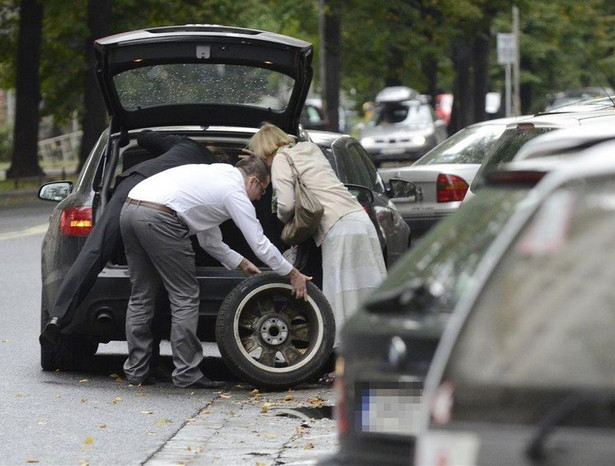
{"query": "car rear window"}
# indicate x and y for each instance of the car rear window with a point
(447, 257)
(505, 149)
(173, 84)
(469, 145)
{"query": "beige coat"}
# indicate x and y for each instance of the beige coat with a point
(318, 175)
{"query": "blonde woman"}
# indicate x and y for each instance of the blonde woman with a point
(353, 264)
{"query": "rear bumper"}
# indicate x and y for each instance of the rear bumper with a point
(419, 226)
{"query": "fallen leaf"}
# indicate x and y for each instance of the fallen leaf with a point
(5, 341)
(255, 392)
(264, 409)
(31, 460)
(309, 446)
(117, 400)
(289, 397)
(162, 422)
(206, 411)
(271, 436)
(84, 400)
(224, 395)
(19, 395)
(89, 440)
(114, 376)
(84, 380)
(102, 426)
(317, 402)
(42, 422)
(147, 412)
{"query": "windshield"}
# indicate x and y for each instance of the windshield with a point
(545, 320)
(173, 84)
(447, 257)
(412, 114)
(505, 149)
(469, 145)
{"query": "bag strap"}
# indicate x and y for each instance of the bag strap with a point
(292, 166)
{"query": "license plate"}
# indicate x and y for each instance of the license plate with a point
(389, 407)
(392, 151)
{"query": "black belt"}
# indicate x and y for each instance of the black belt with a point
(151, 205)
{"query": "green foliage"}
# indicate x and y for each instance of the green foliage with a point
(6, 142)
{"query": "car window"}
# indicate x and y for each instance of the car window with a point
(551, 297)
(505, 149)
(469, 145)
(446, 258)
(185, 83)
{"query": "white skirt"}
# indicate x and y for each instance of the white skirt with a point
(352, 265)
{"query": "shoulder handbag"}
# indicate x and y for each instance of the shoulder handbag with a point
(308, 211)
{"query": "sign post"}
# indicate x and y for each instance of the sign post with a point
(506, 57)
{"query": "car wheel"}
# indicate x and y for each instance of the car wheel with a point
(269, 338)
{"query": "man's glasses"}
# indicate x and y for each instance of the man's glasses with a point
(260, 183)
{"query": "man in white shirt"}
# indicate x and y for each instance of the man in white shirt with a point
(160, 214)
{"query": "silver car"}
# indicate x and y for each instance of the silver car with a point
(403, 128)
(443, 175)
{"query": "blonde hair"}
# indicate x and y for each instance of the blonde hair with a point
(268, 139)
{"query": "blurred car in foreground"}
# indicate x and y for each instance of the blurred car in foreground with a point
(388, 345)
(158, 93)
(518, 134)
(442, 176)
(525, 371)
(403, 127)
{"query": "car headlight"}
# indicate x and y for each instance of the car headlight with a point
(367, 142)
(418, 140)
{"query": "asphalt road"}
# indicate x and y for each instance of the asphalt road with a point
(97, 418)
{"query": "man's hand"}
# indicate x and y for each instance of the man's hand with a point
(298, 282)
(248, 268)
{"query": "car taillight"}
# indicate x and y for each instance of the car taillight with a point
(76, 221)
(450, 188)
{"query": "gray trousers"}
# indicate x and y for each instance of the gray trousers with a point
(159, 251)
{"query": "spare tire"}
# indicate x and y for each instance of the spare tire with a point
(271, 339)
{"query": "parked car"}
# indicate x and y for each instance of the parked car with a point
(525, 372)
(148, 79)
(518, 134)
(442, 176)
(388, 345)
(313, 116)
(403, 127)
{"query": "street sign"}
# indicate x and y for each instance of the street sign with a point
(506, 48)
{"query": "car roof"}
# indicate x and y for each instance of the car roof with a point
(145, 54)
(563, 141)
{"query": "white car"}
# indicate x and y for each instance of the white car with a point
(443, 175)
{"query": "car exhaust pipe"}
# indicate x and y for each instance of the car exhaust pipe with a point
(104, 317)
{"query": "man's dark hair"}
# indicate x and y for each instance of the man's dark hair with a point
(253, 165)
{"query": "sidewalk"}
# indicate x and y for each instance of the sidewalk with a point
(244, 426)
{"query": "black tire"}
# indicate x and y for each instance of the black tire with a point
(270, 339)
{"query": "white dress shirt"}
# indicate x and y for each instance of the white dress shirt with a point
(204, 196)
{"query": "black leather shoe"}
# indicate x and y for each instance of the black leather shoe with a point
(204, 382)
(51, 333)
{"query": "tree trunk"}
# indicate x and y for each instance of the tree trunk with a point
(463, 87)
(94, 119)
(481, 76)
(24, 161)
(330, 59)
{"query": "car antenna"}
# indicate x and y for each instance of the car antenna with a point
(591, 70)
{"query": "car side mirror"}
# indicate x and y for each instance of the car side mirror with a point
(404, 190)
(363, 194)
(55, 191)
